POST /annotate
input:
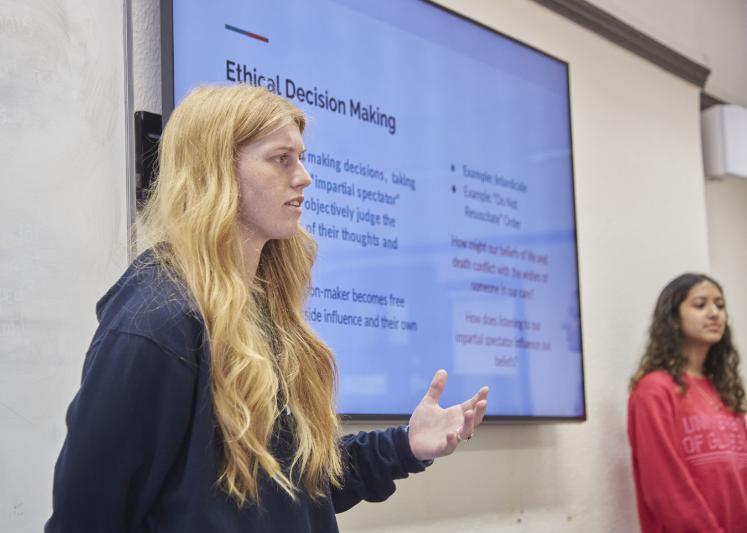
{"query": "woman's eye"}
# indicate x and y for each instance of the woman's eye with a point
(282, 159)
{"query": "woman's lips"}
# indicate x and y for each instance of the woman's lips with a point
(296, 205)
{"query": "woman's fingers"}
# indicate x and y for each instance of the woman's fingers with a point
(480, 395)
(468, 426)
(480, 408)
(437, 386)
(452, 441)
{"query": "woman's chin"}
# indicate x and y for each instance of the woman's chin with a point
(286, 234)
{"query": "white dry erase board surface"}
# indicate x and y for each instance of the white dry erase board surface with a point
(62, 225)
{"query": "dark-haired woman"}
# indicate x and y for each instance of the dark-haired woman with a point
(686, 420)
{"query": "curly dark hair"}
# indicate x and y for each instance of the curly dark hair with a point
(664, 352)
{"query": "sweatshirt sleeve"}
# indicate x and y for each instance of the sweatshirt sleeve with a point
(372, 461)
(664, 481)
(125, 427)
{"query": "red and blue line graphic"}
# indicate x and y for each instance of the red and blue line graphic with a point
(248, 33)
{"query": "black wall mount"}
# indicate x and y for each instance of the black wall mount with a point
(147, 134)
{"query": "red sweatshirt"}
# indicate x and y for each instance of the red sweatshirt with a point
(689, 458)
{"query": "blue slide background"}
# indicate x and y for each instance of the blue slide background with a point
(464, 99)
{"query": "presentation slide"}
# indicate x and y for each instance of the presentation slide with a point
(442, 195)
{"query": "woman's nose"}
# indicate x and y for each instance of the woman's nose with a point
(301, 179)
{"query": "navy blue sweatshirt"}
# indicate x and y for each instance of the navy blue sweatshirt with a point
(143, 452)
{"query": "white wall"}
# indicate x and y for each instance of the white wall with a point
(146, 55)
(62, 225)
(712, 33)
(727, 229)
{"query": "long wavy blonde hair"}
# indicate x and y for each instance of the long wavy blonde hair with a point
(262, 350)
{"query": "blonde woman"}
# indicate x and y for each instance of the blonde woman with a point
(207, 403)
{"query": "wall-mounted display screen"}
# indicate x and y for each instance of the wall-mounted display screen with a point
(442, 196)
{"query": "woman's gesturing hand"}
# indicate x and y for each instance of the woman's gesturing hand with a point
(435, 431)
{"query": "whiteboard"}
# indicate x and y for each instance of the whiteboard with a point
(63, 221)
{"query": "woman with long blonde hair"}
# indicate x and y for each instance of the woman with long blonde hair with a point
(686, 415)
(207, 403)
